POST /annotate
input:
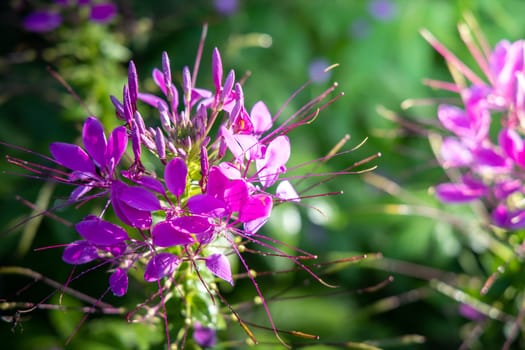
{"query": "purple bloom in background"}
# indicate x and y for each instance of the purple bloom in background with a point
(204, 336)
(471, 313)
(359, 29)
(382, 10)
(42, 21)
(226, 7)
(102, 12)
(316, 70)
(48, 20)
(491, 167)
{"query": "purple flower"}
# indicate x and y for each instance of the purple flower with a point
(317, 72)
(382, 10)
(95, 166)
(102, 12)
(204, 336)
(471, 313)
(226, 7)
(42, 21)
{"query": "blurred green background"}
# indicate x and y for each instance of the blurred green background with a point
(437, 255)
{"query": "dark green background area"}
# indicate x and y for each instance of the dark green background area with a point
(423, 242)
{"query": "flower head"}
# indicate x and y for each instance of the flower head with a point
(221, 168)
(490, 166)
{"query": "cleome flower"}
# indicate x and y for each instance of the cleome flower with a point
(486, 134)
(219, 169)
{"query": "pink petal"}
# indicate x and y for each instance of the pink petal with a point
(256, 207)
(219, 265)
(236, 194)
(285, 191)
(261, 118)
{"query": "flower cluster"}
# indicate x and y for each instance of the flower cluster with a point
(486, 146)
(46, 20)
(181, 199)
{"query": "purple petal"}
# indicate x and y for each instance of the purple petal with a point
(151, 184)
(511, 143)
(165, 234)
(72, 157)
(42, 21)
(192, 224)
(118, 282)
(103, 12)
(216, 69)
(471, 313)
(256, 207)
(161, 265)
(226, 7)
(455, 153)
(98, 231)
(219, 265)
(158, 78)
(116, 250)
(261, 118)
(490, 158)
(79, 192)
(152, 100)
(505, 188)
(117, 143)
(204, 336)
(79, 252)
(458, 193)
(175, 175)
(455, 119)
(208, 205)
(382, 10)
(512, 220)
(139, 198)
(95, 140)
(217, 182)
(134, 217)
